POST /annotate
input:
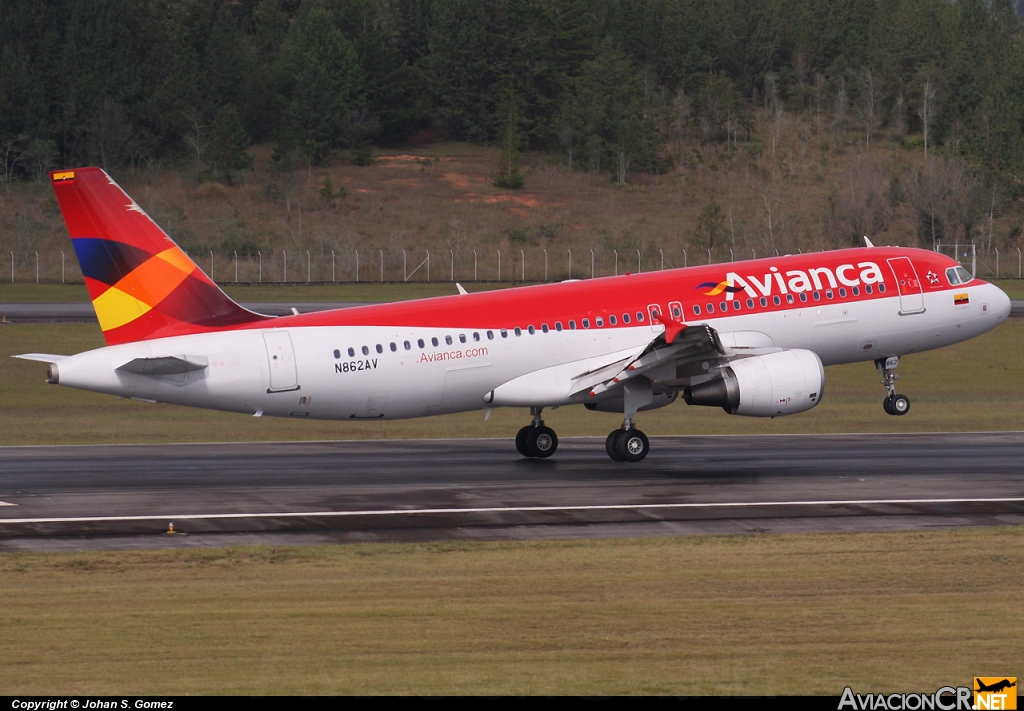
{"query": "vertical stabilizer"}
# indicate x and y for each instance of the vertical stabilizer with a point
(142, 285)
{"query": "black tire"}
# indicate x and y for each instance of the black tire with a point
(900, 405)
(633, 445)
(521, 436)
(542, 442)
(887, 405)
(611, 445)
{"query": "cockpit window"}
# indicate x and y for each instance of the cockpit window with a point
(965, 276)
(953, 277)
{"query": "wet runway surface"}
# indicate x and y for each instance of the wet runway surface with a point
(60, 498)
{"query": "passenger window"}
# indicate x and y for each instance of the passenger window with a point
(750, 303)
(696, 310)
(803, 296)
(433, 341)
(366, 350)
(476, 336)
(639, 316)
(420, 343)
(337, 353)
(776, 300)
(448, 340)
(612, 320)
(722, 306)
(817, 296)
(736, 305)
(531, 329)
(393, 347)
(504, 333)
(625, 318)
(881, 288)
(599, 321)
(558, 325)
(789, 299)
(380, 348)
(351, 352)
(572, 324)
(856, 291)
(828, 294)
(710, 308)
(490, 335)
(676, 312)
(586, 323)
(764, 301)
(408, 346)
(842, 292)
(544, 327)
(462, 338)
(867, 289)
(518, 331)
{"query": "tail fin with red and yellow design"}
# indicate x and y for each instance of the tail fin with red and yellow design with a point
(142, 285)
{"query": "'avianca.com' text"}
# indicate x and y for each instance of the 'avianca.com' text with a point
(451, 355)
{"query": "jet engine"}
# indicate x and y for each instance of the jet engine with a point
(769, 385)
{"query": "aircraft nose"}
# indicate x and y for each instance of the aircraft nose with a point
(1000, 302)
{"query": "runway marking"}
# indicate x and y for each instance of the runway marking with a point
(4, 503)
(505, 509)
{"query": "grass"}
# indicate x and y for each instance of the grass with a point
(697, 615)
(972, 386)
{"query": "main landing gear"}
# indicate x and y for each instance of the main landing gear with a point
(536, 440)
(627, 444)
(894, 403)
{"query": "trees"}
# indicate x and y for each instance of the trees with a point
(508, 175)
(228, 142)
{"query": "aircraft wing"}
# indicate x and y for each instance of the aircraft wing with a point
(658, 361)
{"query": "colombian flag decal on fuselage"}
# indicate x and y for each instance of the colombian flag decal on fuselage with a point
(961, 299)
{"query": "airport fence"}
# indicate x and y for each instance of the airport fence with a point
(491, 265)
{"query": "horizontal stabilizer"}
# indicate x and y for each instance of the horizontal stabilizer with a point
(166, 365)
(41, 357)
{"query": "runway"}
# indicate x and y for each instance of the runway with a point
(123, 496)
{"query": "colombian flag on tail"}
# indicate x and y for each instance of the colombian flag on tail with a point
(141, 284)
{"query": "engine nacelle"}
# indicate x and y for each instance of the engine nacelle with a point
(782, 383)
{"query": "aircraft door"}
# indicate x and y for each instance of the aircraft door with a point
(911, 291)
(654, 311)
(675, 310)
(281, 359)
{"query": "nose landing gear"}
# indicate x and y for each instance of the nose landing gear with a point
(894, 403)
(536, 440)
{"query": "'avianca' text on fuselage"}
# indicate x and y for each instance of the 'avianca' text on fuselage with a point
(815, 278)
(749, 337)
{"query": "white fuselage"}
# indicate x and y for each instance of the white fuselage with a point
(308, 372)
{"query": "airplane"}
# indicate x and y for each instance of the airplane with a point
(996, 687)
(751, 337)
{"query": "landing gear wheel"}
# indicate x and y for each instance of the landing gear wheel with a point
(521, 436)
(899, 404)
(887, 405)
(611, 445)
(633, 445)
(541, 442)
